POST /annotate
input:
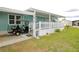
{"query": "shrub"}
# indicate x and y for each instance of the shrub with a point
(57, 30)
(67, 26)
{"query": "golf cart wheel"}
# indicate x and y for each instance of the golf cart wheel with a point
(17, 33)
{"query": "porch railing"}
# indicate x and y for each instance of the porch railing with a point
(47, 25)
(57, 25)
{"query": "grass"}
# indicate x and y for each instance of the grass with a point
(64, 41)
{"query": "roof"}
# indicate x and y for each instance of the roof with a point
(32, 10)
(27, 12)
(72, 19)
(3, 9)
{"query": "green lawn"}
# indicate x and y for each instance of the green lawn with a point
(66, 40)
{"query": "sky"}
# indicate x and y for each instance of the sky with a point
(62, 7)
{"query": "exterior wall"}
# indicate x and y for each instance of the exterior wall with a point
(3, 22)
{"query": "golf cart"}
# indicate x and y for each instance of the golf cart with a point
(16, 30)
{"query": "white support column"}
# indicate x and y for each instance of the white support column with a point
(50, 26)
(39, 25)
(34, 24)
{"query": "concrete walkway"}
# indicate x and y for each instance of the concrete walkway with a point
(14, 40)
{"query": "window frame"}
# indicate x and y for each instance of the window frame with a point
(10, 19)
(18, 19)
(14, 19)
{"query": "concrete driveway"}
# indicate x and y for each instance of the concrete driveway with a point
(8, 39)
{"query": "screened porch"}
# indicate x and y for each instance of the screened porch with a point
(42, 28)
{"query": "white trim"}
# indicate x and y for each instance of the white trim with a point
(20, 19)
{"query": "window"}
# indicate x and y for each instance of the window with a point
(14, 19)
(11, 19)
(18, 19)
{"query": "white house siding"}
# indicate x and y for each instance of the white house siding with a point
(45, 31)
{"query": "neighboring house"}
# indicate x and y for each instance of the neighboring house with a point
(67, 22)
(39, 22)
(75, 23)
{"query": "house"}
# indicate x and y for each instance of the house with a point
(39, 22)
(67, 22)
(72, 21)
(75, 23)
